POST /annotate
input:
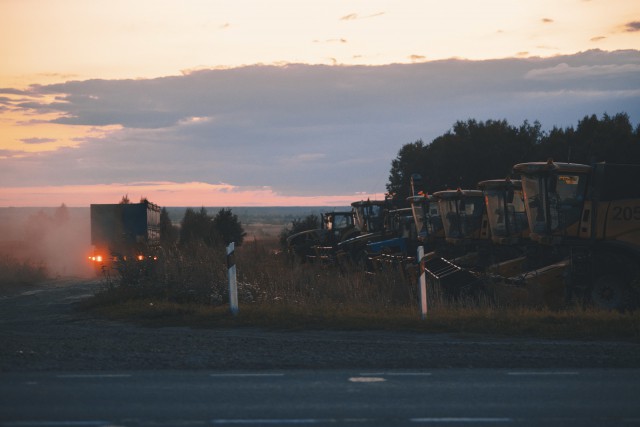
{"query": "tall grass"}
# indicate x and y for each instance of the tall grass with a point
(188, 286)
(15, 273)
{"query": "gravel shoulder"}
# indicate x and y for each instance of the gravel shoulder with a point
(40, 331)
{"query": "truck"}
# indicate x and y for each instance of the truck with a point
(124, 231)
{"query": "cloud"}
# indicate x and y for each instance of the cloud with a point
(597, 38)
(11, 91)
(417, 58)
(340, 40)
(349, 17)
(304, 129)
(37, 140)
(565, 71)
(633, 27)
(308, 157)
(355, 16)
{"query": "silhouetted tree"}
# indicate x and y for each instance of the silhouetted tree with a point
(227, 226)
(610, 139)
(61, 215)
(473, 151)
(168, 232)
(410, 160)
(197, 227)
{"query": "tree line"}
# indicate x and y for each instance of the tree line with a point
(473, 151)
(200, 227)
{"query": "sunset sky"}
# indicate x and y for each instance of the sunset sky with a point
(298, 102)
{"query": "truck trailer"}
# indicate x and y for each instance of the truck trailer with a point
(124, 231)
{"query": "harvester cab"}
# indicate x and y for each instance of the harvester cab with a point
(511, 250)
(463, 215)
(464, 222)
(369, 215)
(593, 214)
(426, 213)
(556, 196)
(504, 201)
(426, 216)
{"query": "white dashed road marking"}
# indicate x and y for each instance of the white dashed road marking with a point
(455, 420)
(542, 373)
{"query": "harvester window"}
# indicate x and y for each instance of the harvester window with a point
(570, 190)
(567, 187)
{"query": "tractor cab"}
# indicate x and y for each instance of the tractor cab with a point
(504, 200)
(338, 224)
(463, 215)
(554, 195)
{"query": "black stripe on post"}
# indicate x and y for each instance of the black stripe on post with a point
(231, 259)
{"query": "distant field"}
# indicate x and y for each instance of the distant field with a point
(271, 215)
(259, 220)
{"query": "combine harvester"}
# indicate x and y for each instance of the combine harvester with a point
(591, 215)
(583, 239)
(451, 264)
(487, 238)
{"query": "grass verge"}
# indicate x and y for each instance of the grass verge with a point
(576, 324)
(191, 291)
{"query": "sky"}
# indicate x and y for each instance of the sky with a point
(284, 103)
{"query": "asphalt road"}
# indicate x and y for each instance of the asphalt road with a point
(448, 397)
(61, 367)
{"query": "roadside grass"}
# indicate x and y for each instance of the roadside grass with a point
(574, 324)
(16, 275)
(189, 289)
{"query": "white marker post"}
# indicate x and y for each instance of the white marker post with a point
(233, 284)
(422, 284)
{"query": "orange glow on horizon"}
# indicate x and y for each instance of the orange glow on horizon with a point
(28, 131)
(167, 194)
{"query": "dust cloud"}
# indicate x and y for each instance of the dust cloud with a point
(56, 238)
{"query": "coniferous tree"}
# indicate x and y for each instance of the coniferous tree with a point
(228, 227)
(168, 232)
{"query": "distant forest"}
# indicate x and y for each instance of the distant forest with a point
(474, 151)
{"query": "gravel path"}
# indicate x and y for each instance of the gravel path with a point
(40, 331)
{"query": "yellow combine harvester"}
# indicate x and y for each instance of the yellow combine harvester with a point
(592, 214)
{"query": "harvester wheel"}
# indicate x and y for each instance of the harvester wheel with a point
(611, 288)
(610, 292)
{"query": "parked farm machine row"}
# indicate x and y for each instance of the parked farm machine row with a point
(571, 231)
